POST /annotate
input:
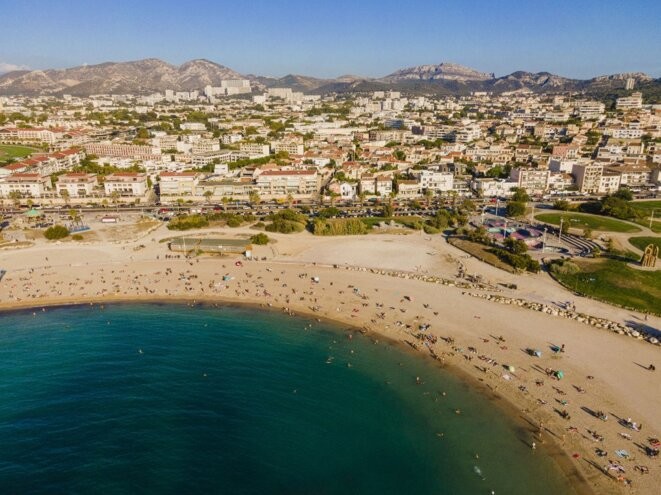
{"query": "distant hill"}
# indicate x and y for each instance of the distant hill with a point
(141, 76)
(150, 75)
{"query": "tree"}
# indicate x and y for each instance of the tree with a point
(260, 239)
(516, 209)
(467, 205)
(64, 194)
(399, 155)
(56, 232)
(624, 193)
(388, 210)
(15, 196)
(428, 195)
(207, 195)
(253, 197)
(587, 233)
(520, 195)
(142, 133)
(515, 246)
(362, 195)
(561, 204)
(290, 199)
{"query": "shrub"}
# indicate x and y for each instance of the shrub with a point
(518, 261)
(188, 222)
(56, 232)
(516, 208)
(234, 221)
(328, 212)
(285, 226)
(562, 204)
(564, 267)
(260, 239)
(340, 226)
(431, 230)
(77, 237)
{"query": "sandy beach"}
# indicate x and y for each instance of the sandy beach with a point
(480, 339)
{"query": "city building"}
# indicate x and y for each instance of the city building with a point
(126, 184)
(76, 185)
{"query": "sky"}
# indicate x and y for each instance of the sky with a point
(571, 38)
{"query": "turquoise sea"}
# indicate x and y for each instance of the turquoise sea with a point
(171, 399)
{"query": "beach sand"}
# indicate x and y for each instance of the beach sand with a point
(463, 331)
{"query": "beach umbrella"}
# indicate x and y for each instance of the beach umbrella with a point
(559, 374)
(510, 368)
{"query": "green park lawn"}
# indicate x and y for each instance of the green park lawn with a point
(615, 282)
(587, 221)
(10, 151)
(646, 208)
(642, 242)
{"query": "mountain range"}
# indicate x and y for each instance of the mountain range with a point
(152, 75)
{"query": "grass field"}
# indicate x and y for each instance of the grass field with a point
(646, 208)
(481, 252)
(642, 242)
(10, 151)
(584, 220)
(615, 282)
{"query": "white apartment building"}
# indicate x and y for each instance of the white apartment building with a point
(630, 102)
(255, 149)
(436, 181)
(291, 147)
(624, 133)
(125, 184)
(469, 133)
(588, 177)
(203, 146)
(383, 186)
(610, 182)
(493, 188)
(632, 175)
(133, 151)
(29, 185)
(533, 180)
(283, 182)
(590, 109)
(284, 93)
(34, 134)
(408, 189)
(48, 164)
(193, 126)
(231, 138)
(77, 185)
(179, 183)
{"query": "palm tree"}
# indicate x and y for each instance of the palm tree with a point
(64, 194)
(428, 195)
(114, 196)
(207, 195)
(362, 195)
(290, 199)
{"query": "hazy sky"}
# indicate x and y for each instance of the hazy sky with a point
(574, 38)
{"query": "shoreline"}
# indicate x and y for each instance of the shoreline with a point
(518, 418)
(358, 291)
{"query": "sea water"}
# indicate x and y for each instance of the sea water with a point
(156, 398)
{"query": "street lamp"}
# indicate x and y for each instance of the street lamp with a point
(544, 241)
(560, 231)
(652, 218)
